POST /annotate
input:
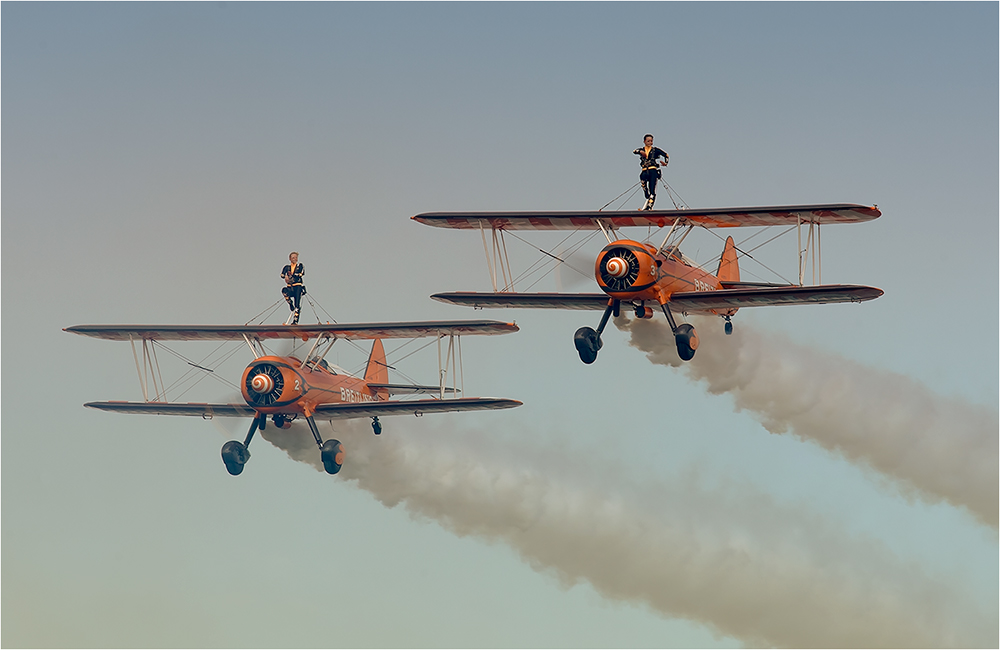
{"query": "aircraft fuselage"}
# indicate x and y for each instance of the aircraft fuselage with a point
(281, 385)
(629, 270)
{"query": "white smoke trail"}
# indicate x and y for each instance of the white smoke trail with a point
(943, 448)
(729, 558)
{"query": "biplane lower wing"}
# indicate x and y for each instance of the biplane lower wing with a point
(351, 331)
(689, 301)
(207, 411)
(323, 412)
(782, 215)
(692, 301)
(414, 407)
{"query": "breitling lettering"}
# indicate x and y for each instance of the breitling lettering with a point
(703, 286)
(351, 395)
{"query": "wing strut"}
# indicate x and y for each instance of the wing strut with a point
(142, 384)
(322, 356)
(498, 262)
(452, 358)
(604, 230)
(247, 339)
(489, 262)
(149, 370)
(812, 242)
(669, 232)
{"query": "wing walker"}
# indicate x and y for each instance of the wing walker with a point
(645, 276)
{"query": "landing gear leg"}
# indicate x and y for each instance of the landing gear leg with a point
(588, 341)
(236, 454)
(331, 451)
(685, 336)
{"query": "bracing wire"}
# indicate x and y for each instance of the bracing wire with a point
(535, 267)
(747, 254)
(634, 187)
(270, 311)
(568, 253)
(682, 205)
(209, 372)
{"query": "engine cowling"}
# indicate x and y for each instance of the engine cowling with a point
(625, 267)
(264, 384)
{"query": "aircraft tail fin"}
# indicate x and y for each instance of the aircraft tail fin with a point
(377, 372)
(729, 268)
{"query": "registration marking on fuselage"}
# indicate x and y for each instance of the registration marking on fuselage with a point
(355, 396)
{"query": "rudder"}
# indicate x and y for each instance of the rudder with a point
(729, 268)
(377, 372)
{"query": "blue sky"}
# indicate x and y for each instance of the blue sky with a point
(160, 160)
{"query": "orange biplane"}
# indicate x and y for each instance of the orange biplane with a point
(287, 388)
(643, 275)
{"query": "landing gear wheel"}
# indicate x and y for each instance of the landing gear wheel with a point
(332, 453)
(588, 343)
(235, 455)
(376, 425)
(687, 341)
(729, 327)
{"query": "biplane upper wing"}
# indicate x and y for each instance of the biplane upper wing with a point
(785, 215)
(323, 412)
(305, 332)
(688, 301)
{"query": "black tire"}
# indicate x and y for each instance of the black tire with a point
(588, 343)
(376, 426)
(332, 453)
(687, 341)
(235, 456)
(729, 328)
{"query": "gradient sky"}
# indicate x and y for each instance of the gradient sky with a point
(161, 160)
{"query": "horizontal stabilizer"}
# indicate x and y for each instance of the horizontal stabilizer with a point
(782, 215)
(355, 331)
(409, 389)
(754, 285)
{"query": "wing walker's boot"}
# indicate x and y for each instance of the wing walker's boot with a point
(295, 321)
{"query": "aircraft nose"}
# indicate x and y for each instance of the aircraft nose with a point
(262, 384)
(617, 267)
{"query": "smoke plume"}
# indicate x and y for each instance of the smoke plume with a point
(727, 557)
(943, 448)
